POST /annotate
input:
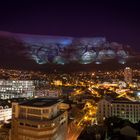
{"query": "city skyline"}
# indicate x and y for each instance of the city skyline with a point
(69, 70)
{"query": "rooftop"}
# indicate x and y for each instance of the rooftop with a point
(41, 102)
(121, 100)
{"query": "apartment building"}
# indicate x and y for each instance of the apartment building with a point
(122, 108)
(16, 88)
(39, 119)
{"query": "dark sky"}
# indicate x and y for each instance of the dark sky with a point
(117, 21)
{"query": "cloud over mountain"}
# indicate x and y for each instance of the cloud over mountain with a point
(36, 50)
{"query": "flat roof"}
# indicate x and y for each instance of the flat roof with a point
(41, 102)
(121, 100)
(126, 102)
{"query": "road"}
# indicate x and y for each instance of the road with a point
(74, 131)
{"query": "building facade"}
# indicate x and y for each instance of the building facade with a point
(16, 88)
(124, 109)
(48, 93)
(5, 113)
(39, 119)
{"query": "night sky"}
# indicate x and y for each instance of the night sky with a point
(116, 20)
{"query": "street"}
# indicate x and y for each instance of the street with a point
(74, 131)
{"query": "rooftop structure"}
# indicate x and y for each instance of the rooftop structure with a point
(41, 102)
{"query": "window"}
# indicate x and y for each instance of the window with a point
(22, 110)
(34, 111)
(35, 126)
(21, 123)
(118, 105)
(45, 110)
(28, 125)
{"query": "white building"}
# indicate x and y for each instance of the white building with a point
(5, 113)
(15, 89)
(39, 119)
(121, 108)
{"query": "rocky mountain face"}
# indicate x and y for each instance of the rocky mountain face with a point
(61, 50)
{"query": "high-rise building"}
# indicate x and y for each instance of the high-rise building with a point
(128, 75)
(122, 108)
(39, 119)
